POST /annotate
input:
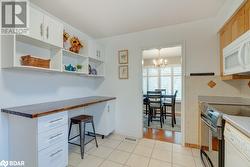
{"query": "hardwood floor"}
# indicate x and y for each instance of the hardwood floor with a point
(162, 135)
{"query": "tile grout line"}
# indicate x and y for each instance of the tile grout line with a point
(125, 164)
(150, 158)
(172, 156)
(105, 159)
(115, 149)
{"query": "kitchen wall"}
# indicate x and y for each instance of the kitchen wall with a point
(27, 87)
(201, 45)
(245, 88)
(201, 49)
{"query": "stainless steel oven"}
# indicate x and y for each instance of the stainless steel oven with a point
(212, 128)
(212, 141)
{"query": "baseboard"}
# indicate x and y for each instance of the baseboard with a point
(192, 145)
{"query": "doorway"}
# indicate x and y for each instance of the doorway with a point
(162, 73)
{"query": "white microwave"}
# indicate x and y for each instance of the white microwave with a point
(236, 56)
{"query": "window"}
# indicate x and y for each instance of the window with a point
(168, 78)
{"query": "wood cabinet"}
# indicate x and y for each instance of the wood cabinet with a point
(247, 15)
(237, 25)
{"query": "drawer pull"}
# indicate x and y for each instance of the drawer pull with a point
(51, 122)
(52, 155)
(52, 137)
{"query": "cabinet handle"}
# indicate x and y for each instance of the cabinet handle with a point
(47, 29)
(41, 29)
(55, 120)
(53, 154)
(52, 137)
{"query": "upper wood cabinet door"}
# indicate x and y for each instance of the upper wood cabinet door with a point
(36, 24)
(238, 24)
(225, 39)
(225, 36)
(53, 31)
(247, 15)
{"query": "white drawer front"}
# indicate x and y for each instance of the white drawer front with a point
(52, 137)
(52, 121)
(56, 156)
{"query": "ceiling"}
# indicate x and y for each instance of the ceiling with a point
(164, 52)
(105, 18)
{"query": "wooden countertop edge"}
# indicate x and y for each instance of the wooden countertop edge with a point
(57, 110)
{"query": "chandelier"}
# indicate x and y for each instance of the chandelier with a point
(160, 62)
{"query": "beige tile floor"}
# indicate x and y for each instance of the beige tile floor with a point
(116, 151)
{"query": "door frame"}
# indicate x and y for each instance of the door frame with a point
(183, 66)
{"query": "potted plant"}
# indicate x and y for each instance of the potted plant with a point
(79, 67)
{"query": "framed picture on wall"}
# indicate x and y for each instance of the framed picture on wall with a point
(123, 56)
(123, 72)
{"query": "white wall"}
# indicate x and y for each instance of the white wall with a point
(201, 55)
(27, 87)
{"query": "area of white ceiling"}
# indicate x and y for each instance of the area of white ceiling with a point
(163, 52)
(104, 18)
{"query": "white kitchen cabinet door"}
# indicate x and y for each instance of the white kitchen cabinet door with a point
(55, 156)
(53, 32)
(233, 157)
(104, 117)
(96, 51)
(99, 54)
(110, 109)
(36, 27)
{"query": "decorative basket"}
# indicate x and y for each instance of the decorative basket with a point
(28, 60)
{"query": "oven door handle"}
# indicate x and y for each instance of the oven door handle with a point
(208, 124)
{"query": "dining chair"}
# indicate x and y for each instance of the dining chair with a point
(163, 91)
(170, 104)
(155, 105)
(146, 103)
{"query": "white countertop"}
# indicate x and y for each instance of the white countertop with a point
(239, 122)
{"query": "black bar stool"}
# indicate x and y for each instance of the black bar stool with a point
(81, 120)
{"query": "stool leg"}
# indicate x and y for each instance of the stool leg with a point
(70, 130)
(82, 138)
(93, 126)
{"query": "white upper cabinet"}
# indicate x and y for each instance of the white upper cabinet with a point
(36, 24)
(53, 31)
(97, 51)
(44, 28)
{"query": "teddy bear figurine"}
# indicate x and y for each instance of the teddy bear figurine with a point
(66, 36)
(76, 45)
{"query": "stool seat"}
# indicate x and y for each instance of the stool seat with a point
(82, 118)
